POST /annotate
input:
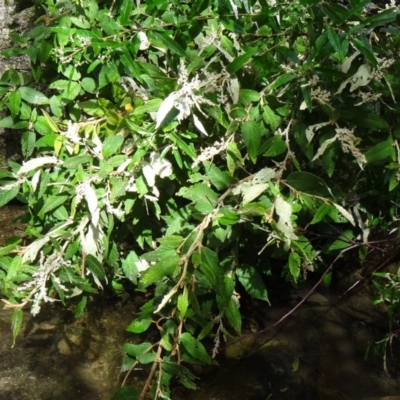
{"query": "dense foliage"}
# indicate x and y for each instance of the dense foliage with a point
(196, 150)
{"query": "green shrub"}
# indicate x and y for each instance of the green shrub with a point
(191, 149)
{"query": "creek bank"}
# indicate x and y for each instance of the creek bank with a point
(317, 353)
(59, 357)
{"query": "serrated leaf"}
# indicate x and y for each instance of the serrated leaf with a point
(95, 266)
(382, 18)
(220, 179)
(320, 214)
(80, 308)
(7, 122)
(209, 265)
(334, 40)
(32, 96)
(251, 133)
(7, 195)
(294, 265)
(195, 348)
(14, 103)
(28, 140)
(151, 106)
(308, 183)
(76, 161)
(53, 202)
(135, 350)
(366, 50)
(253, 209)
(227, 216)
(233, 315)
(16, 323)
(126, 392)
(183, 302)
(169, 43)
(248, 96)
(111, 145)
(270, 118)
(167, 261)
(252, 283)
(344, 241)
(273, 147)
(139, 325)
(240, 61)
(282, 80)
(202, 196)
(88, 85)
(381, 151)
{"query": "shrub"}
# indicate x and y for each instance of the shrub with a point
(191, 149)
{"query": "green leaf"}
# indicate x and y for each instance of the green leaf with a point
(270, 118)
(166, 266)
(139, 325)
(210, 265)
(195, 348)
(8, 249)
(32, 96)
(366, 50)
(166, 41)
(135, 350)
(251, 133)
(381, 151)
(28, 140)
(151, 106)
(95, 266)
(125, 12)
(335, 12)
(308, 183)
(382, 18)
(282, 80)
(183, 302)
(7, 195)
(7, 122)
(344, 241)
(16, 323)
(80, 308)
(227, 216)
(202, 196)
(247, 96)
(233, 315)
(273, 147)
(126, 392)
(14, 103)
(88, 85)
(129, 267)
(221, 180)
(240, 61)
(53, 202)
(321, 212)
(294, 265)
(252, 283)
(76, 161)
(111, 145)
(334, 40)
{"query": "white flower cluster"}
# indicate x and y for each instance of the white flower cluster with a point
(209, 152)
(347, 140)
(47, 268)
(185, 99)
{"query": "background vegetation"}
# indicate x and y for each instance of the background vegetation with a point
(196, 151)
